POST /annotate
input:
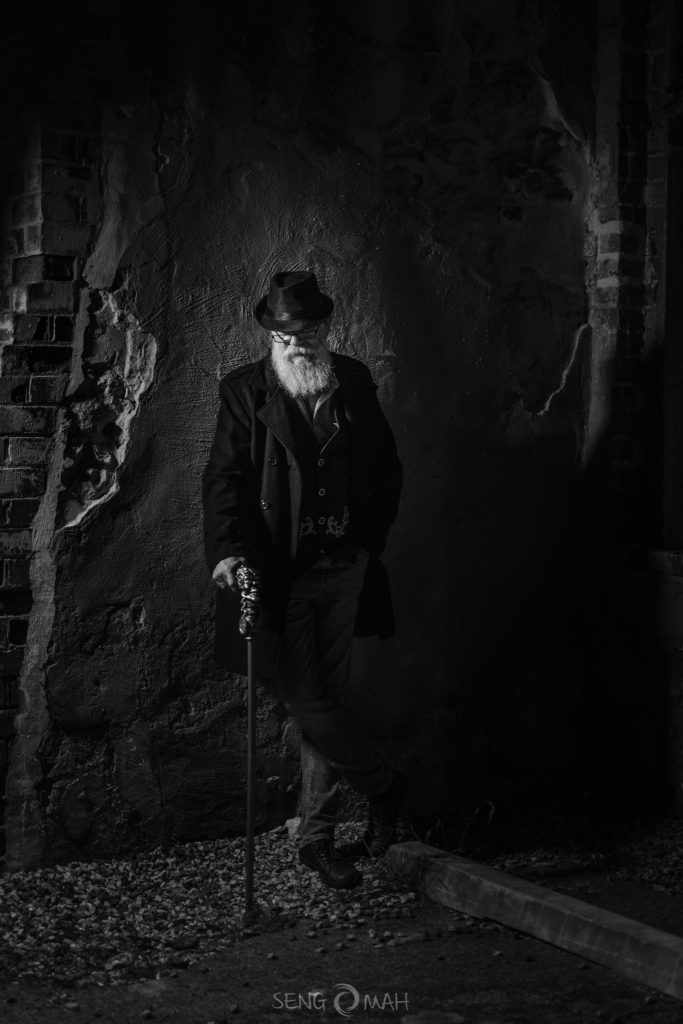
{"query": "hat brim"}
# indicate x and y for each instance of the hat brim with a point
(290, 324)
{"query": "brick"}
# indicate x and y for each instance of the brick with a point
(12, 389)
(32, 327)
(608, 266)
(62, 209)
(26, 209)
(28, 269)
(10, 663)
(604, 319)
(33, 238)
(15, 602)
(65, 238)
(11, 242)
(5, 746)
(33, 177)
(19, 298)
(20, 512)
(6, 724)
(64, 328)
(28, 451)
(19, 419)
(51, 297)
(607, 296)
(21, 483)
(16, 572)
(33, 269)
(60, 179)
(17, 632)
(11, 692)
(46, 390)
(609, 243)
(36, 359)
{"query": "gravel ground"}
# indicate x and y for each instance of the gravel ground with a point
(113, 921)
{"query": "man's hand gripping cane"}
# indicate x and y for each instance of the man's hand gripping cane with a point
(249, 581)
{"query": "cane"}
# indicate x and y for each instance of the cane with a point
(248, 582)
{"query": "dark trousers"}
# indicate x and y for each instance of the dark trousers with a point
(312, 681)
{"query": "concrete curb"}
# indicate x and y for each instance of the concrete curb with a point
(635, 950)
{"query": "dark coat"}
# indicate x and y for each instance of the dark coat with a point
(252, 493)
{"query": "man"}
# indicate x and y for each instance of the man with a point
(303, 483)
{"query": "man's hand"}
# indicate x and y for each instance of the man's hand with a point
(224, 573)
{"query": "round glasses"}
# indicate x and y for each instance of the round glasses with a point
(287, 339)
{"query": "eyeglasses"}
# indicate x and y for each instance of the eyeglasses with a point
(287, 339)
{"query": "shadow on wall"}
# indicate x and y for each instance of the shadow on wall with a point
(439, 192)
(532, 646)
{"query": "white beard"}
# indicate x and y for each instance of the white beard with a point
(302, 371)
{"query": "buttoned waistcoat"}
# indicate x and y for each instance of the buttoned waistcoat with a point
(252, 493)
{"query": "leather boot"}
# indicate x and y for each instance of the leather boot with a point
(321, 856)
(382, 817)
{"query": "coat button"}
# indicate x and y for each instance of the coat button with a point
(265, 504)
(321, 462)
(272, 461)
(321, 521)
(321, 492)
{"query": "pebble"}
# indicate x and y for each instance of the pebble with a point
(158, 912)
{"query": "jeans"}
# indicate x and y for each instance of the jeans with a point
(312, 680)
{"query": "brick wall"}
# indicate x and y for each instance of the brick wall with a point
(629, 225)
(51, 195)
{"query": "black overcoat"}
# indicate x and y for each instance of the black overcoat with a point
(252, 492)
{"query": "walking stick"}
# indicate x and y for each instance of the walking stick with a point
(248, 582)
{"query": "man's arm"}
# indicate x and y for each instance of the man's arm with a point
(224, 488)
(382, 469)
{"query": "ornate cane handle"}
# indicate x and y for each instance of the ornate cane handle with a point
(249, 584)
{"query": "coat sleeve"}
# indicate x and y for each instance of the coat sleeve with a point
(226, 479)
(381, 471)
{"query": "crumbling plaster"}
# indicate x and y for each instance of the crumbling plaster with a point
(438, 191)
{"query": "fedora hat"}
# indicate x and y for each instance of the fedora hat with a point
(293, 302)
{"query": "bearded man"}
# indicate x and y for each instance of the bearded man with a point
(303, 484)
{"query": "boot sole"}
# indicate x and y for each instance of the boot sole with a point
(351, 883)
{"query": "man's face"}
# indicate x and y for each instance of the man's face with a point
(302, 360)
(308, 343)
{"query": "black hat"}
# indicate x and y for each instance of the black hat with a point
(294, 300)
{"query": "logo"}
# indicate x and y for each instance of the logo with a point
(346, 1001)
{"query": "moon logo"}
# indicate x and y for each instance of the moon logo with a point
(346, 993)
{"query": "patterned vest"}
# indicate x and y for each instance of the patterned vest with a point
(323, 456)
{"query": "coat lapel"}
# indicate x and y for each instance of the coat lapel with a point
(274, 412)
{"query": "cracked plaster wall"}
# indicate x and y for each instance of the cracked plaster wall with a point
(433, 170)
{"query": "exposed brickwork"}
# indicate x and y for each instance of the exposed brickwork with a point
(51, 208)
(627, 308)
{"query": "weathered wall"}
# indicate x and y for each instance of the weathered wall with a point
(431, 164)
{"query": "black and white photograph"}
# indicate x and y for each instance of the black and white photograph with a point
(341, 512)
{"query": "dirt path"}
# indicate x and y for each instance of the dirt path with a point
(434, 967)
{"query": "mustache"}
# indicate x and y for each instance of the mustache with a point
(307, 351)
